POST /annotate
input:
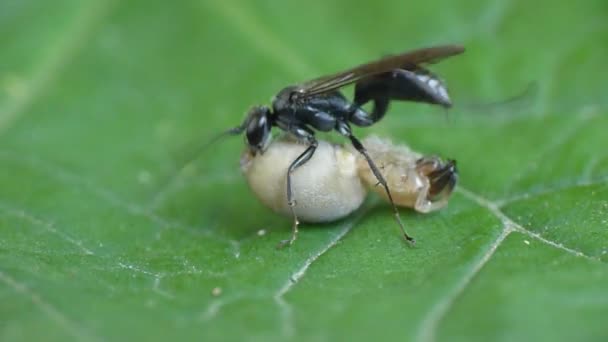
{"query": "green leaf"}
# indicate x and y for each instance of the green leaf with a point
(96, 244)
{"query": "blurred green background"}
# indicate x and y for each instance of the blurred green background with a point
(96, 97)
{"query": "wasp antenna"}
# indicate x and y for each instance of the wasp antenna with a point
(192, 152)
(195, 150)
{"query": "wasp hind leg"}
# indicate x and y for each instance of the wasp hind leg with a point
(345, 130)
(361, 118)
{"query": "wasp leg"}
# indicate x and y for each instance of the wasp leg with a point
(299, 161)
(362, 118)
(345, 130)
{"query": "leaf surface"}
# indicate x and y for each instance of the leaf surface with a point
(99, 240)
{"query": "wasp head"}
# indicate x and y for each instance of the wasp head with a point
(257, 131)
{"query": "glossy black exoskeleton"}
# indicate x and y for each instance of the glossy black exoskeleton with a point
(318, 105)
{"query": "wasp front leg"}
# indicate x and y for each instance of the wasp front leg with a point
(306, 135)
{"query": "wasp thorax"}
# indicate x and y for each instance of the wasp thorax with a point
(334, 182)
(283, 99)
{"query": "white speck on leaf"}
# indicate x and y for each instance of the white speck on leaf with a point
(144, 177)
(15, 86)
(164, 129)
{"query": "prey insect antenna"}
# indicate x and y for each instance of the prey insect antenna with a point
(520, 100)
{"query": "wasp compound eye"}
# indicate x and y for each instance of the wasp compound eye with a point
(258, 129)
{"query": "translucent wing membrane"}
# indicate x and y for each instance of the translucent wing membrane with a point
(408, 61)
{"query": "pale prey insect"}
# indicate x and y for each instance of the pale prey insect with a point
(319, 105)
(336, 179)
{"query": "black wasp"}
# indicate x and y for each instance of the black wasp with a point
(319, 105)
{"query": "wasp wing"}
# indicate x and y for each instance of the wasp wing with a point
(407, 60)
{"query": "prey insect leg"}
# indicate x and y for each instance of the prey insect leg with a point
(299, 161)
(344, 129)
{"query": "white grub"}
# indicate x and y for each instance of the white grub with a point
(325, 188)
(334, 182)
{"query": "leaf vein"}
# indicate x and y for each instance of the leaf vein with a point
(52, 312)
(432, 320)
(602, 180)
(261, 39)
(494, 208)
(554, 244)
(73, 179)
(286, 309)
(54, 63)
(553, 144)
(50, 227)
